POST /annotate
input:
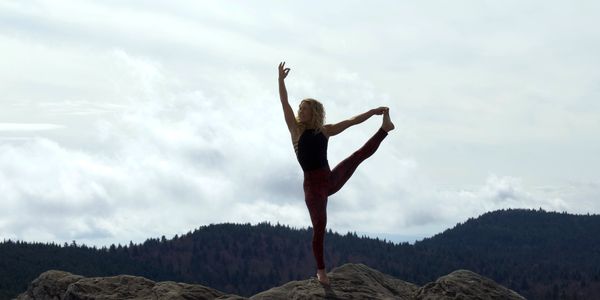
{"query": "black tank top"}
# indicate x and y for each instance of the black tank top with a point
(312, 150)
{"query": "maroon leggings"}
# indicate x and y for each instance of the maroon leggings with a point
(321, 183)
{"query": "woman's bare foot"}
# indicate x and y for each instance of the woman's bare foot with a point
(387, 124)
(322, 277)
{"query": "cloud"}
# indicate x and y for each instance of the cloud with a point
(122, 122)
(168, 159)
(28, 126)
(47, 187)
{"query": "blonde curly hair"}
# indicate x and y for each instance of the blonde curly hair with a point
(318, 116)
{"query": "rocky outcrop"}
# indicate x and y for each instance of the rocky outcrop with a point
(64, 285)
(50, 285)
(357, 281)
(463, 284)
(350, 281)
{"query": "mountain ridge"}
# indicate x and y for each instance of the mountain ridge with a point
(539, 254)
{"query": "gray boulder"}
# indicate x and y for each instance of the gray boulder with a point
(463, 284)
(50, 285)
(350, 281)
(61, 285)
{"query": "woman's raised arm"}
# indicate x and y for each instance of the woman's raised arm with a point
(288, 112)
(337, 128)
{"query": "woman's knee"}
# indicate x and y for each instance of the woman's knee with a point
(319, 226)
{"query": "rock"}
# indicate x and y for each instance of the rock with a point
(115, 287)
(63, 285)
(173, 290)
(50, 285)
(463, 284)
(350, 281)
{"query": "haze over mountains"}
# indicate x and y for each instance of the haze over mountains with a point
(539, 254)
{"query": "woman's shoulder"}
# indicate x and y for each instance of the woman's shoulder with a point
(326, 130)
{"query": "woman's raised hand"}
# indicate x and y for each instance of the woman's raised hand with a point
(380, 110)
(283, 72)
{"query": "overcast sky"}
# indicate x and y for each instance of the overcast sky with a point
(124, 120)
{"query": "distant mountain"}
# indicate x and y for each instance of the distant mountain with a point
(541, 255)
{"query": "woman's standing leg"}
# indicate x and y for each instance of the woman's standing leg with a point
(315, 195)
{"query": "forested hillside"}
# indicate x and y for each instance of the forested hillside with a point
(542, 255)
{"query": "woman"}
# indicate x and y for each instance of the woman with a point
(310, 137)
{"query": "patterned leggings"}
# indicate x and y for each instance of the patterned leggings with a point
(321, 183)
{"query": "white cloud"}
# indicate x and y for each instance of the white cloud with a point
(28, 126)
(122, 122)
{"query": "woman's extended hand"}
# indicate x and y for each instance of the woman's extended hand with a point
(380, 110)
(283, 72)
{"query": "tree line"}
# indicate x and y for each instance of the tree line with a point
(541, 255)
